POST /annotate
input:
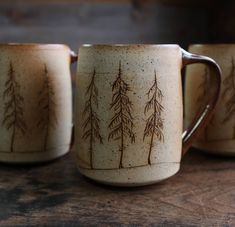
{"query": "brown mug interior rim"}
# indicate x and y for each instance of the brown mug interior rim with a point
(35, 45)
(132, 45)
(211, 44)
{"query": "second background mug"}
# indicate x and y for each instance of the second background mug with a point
(219, 135)
(36, 102)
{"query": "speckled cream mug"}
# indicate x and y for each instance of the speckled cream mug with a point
(36, 105)
(219, 135)
(128, 112)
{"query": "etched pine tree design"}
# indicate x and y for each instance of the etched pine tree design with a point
(47, 107)
(154, 124)
(121, 124)
(229, 96)
(203, 88)
(91, 126)
(13, 107)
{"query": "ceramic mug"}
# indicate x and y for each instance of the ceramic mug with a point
(128, 112)
(219, 136)
(36, 102)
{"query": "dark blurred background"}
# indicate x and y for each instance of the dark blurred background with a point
(110, 21)
(75, 22)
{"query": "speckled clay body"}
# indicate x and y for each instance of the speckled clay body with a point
(219, 136)
(128, 127)
(36, 108)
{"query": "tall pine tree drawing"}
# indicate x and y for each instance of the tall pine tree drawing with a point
(91, 124)
(13, 106)
(229, 96)
(121, 124)
(47, 107)
(203, 88)
(154, 124)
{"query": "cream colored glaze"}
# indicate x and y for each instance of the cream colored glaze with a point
(44, 134)
(138, 63)
(218, 136)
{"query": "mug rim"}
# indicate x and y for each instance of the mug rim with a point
(211, 44)
(131, 45)
(35, 45)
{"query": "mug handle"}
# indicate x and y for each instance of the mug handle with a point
(202, 118)
(73, 59)
(73, 56)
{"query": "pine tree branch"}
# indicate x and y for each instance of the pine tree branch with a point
(154, 123)
(91, 129)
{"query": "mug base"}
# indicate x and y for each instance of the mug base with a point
(226, 148)
(134, 176)
(31, 157)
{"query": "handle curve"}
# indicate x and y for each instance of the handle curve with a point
(206, 113)
(73, 58)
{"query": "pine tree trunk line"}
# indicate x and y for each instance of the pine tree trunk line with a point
(122, 135)
(91, 125)
(91, 129)
(47, 105)
(155, 112)
(121, 124)
(48, 114)
(14, 125)
(13, 118)
(152, 136)
(154, 124)
(47, 126)
(13, 139)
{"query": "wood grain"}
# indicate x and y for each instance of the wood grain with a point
(55, 194)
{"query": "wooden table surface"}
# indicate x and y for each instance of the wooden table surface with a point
(55, 194)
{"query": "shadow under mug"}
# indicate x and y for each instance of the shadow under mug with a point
(219, 135)
(129, 113)
(36, 102)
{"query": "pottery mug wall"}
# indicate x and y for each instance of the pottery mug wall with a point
(128, 111)
(219, 136)
(36, 105)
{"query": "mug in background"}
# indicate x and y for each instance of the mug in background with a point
(36, 102)
(219, 136)
(128, 112)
